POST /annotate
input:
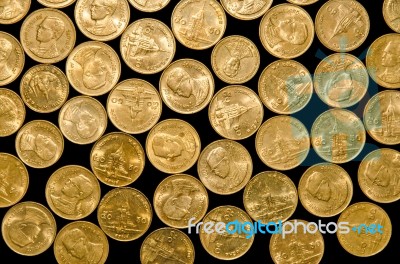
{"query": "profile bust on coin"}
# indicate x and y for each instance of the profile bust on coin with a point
(6, 47)
(383, 172)
(101, 12)
(12, 11)
(179, 202)
(391, 62)
(44, 146)
(169, 146)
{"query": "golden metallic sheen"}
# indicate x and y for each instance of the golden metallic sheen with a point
(246, 10)
(12, 112)
(13, 11)
(391, 14)
(56, 3)
(12, 58)
(149, 6)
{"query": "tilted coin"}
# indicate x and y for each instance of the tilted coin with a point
(147, 46)
(391, 14)
(149, 6)
(246, 10)
(225, 166)
(302, 2)
(12, 112)
(56, 3)
(286, 31)
(134, 106)
(28, 228)
(93, 68)
(12, 58)
(236, 112)
(13, 11)
(124, 214)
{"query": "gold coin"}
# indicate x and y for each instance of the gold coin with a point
(180, 198)
(13, 11)
(282, 142)
(286, 31)
(342, 25)
(93, 68)
(246, 10)
(338, 135)
(28, 228)
(270, 196)
(12, 112)
(160, 241)
(302, 2)
(44, 88)
(81, 242)
(187, 86)
(359, 241)
(285, 86)
(48, 35)
(378, 175)
(12, 58)
(341, 80)
(235, 59)
(325, 189)
(147, 46)
(56, 3)
(149, 6)
(391, 14)
(198, 25)
(124, 214)
(39, 144)
(82, 120)
(14, 179)
(173, 146)
(117, 159)
(102, 20)
(236, 112)
(225, 166)
(134, 106)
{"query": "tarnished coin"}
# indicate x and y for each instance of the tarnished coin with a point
(391, 14)
(124, 214)
(39, 144)
(82, 120)
(235, 59)
(48, 35)
(286, 31)
(325, 189)
(200, 24)
(236, 112)
(173, 146)
(117, 159)
(28, 228)
(225, 166)
(147, 46)
(12, 58)
(282, 142)
(134, 106)
(93, 68)
(270, 196)
(302, 2)
(285, 86)
(81, 242)
(246, 10)
(149, 6)
(360, 241)
(44, 88)
(14, 180)
(12, 11)
(157, 245)
(102, 20)
(338, 135)
(342, 25)
(341, 80)
(56, 3)
(12, 112)
(180, 199)
(379, 175)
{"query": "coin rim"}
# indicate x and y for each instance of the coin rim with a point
(3, 83)
(26, 11)
(24, 112)
(248, 17)
(61, 5)
(137, 6)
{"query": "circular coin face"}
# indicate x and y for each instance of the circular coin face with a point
(12, 112)
(149, 6)
(56, 3)
(14, 11)
(246, 11)
(302, 2)
(12, 58)
(391, 14)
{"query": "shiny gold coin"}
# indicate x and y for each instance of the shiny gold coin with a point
(117, 159)
(12, 58)
(338, 135)
(167, 240)
(14, 180)
(12, 112)
(81, 242)
(198, 25)
(286, 31)
(225, 166)
(341, 80)
(302, 2)
(285, 86)
(187, 86)
(56, 3)
(282, 142)
(173, 146)
(44, 88)
(134, 106)
(359, 241)
(12, 11)
(236, 112)
(102, 20)
(82, 120)
(147, 46)
(391, 14)
(28, 228)
(124, 214)
(180, 198)
(149, 6)
(48, 35)
(325, 189)
(93, 68)
(246, 10)
(39, 144)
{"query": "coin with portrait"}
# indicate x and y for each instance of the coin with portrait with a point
(149, 6)
(12, 11)
(12, 112)
(391, 14)
(12, 58)
(56, 3)
(246, 9)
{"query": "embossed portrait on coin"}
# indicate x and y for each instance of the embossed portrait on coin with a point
(83, 118)
(384, 174)
(394, 11)
(170, 147)
(6, 48)
(246, 7)
(286, 28)
(179, 202)
(44, 84)
(6, 187)
(238, 52)
(321, 187)
(44, 146)
(8, 111)
(391, 62)
(78, 246)
(101, 12)
(340, 86)
(10, 9)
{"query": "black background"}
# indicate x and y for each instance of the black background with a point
(128, 252)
